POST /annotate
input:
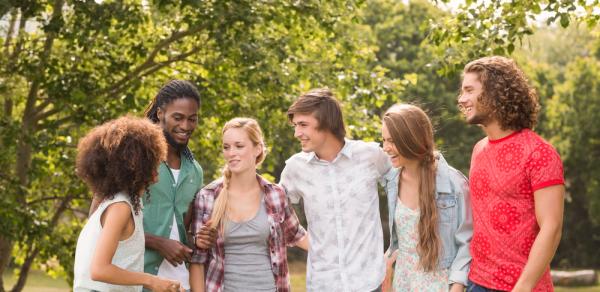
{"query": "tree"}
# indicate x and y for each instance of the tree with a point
(69, 65)
(572, 112)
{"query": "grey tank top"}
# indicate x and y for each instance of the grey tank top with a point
(247, 260)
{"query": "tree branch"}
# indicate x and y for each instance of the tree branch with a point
(149, 62)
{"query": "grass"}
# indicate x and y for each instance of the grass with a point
(38, 281)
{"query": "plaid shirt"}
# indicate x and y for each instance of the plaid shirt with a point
(285, 231)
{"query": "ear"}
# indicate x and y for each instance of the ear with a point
(160, 113)
(259, 149)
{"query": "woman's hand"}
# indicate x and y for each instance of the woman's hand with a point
(390, 259)
(165, 285)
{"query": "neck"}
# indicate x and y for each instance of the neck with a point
(330, 150)
(173, 157)
(243, 181)
(411, 168)
(494, 131)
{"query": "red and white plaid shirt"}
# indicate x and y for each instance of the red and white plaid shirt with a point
(285, 231)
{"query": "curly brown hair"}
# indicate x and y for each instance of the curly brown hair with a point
(121, 155)
(506, 92)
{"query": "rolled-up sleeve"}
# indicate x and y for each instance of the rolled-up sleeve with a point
(294, 232)
(199, 256)
(459, 269)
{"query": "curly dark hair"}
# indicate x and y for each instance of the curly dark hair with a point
(506, 92)
(121, 155)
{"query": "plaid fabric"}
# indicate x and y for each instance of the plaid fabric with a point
(285, 231)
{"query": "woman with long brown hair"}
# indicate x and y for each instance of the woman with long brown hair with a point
(253, 219)
(429, 214)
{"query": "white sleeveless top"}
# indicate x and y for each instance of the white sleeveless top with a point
(129, 254)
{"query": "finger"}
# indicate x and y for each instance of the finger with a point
(394, 254)
(172, 261)
(209, 222)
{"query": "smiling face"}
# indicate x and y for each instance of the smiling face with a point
(390, 148)
(474, 111)
(179, 119)
(239, 151)
(306, 130)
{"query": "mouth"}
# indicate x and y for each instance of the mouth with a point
(182, 135)
(466, 109)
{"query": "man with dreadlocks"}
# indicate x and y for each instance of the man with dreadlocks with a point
(175, 109)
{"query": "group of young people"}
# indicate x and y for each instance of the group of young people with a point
(152, 225)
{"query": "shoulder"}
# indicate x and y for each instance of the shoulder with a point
(362, 150)
(300, 157)
(212, 187)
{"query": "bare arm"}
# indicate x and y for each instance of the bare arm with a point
(549, 209)
(303, 243)
(197, 277)
(115, 220)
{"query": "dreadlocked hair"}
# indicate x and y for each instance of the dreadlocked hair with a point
(174, 89)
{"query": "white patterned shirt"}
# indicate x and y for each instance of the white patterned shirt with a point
(341, 204)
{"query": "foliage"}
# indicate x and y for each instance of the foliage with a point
(69, 65)
(481, 28)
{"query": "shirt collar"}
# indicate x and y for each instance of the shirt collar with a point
(346, 151)
(442, 178)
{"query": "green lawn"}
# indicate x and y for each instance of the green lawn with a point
(40, 282)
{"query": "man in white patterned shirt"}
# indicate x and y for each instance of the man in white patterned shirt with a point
(337, 180)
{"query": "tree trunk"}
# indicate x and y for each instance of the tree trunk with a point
(574, 278)
(5, 251)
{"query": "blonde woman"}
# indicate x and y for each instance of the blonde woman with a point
(253, 219)
(429, 212)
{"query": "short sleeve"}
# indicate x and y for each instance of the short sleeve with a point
(382, 160)
(544, 167)
(287, 182)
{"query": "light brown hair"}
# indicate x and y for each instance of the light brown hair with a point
(506, 92)
(412, 133)
(121, 155)
(321, 103)
(254, 132)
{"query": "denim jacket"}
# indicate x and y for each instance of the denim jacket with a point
(454, 211)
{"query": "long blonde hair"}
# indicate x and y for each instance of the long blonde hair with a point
(256, 137)
(412, 133)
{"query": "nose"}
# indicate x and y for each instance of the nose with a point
(461, 99)
(297, 132)
(386, 147)
(187, 125)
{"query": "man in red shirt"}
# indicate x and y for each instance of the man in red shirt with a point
(516, 181)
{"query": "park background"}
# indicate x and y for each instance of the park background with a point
(67, 66)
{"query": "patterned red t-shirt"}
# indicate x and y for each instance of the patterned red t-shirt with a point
(504, 174)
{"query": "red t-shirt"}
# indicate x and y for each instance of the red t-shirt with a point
(504, 174)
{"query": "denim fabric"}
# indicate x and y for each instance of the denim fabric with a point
(455, 217)
(474, 287)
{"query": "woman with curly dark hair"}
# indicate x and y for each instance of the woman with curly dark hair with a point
(118, 161)
(516, 181)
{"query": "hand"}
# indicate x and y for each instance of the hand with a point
(174, 251)
(457, 287)
(165, 285)
(386, 286)
(390, 259)
(206, 237)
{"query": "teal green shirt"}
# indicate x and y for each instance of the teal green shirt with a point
(166, 199)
